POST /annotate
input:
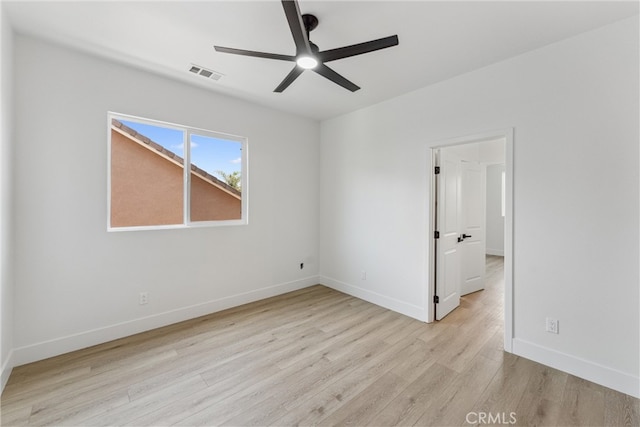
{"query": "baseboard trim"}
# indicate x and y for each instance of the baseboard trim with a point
(7, 367)
(402, 307)
(497, 252)
(57, 346)
(599, 374)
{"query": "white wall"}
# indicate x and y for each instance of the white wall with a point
(574, 108)
(6, 210)
(495, 220)
(77, 284)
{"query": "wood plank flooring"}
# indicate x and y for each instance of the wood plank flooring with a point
(312, 357)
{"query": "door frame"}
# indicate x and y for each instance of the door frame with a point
(507, 135)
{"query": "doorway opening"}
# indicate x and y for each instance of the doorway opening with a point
(464, 245)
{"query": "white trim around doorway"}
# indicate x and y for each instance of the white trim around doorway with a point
(507, 136)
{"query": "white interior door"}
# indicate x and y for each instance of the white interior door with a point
(448, 226)
(472, 227)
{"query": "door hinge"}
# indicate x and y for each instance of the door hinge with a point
(436, 299)
(436, 234)
(437, 170)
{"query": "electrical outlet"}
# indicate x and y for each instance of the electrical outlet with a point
(144, 298)
(363, 275)
(553, 326)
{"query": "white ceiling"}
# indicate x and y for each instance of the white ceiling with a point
(438, 40)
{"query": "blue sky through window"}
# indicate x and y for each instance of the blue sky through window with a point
(215, 154)
(210, 154)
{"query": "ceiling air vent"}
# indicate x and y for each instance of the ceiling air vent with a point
(201, 71)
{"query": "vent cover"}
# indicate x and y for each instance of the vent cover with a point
(201, 71)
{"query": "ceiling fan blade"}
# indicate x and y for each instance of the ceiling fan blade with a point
(254, 53)
(358, 49)
(299, 33)
(289, 79)
(327, 72)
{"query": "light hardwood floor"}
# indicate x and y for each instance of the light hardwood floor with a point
(312, 357)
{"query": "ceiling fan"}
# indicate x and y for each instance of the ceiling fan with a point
(308, 56)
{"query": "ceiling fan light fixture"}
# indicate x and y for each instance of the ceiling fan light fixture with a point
(307, 62)
(308, 55)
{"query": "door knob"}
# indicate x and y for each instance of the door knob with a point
(466, 236)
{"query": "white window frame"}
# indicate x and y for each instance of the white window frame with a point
(503, 204)
(186, 215)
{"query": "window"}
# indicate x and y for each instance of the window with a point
(150, 187)
(503, 201)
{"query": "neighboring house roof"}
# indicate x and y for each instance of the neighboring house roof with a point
(170, 155)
